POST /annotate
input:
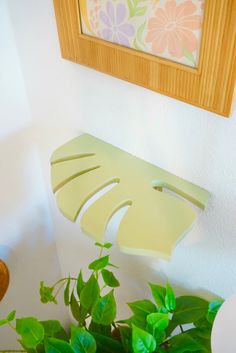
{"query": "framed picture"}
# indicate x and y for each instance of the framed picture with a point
(184, 49)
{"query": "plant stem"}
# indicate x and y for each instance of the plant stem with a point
(11, 326)
(64, 279)
(100, 254)
(58, 290)
(103, 287)
(181, 328)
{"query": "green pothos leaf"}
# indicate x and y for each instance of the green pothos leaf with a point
(54, 345)
(3, 322)
(30, 330)
(46, 294)
(80, 283)
(213, 309)
(142, 308)
(10, 317)
(107, 344)
(158, 321)
(74, 307)
(53, 328)
(126, 338)
(110, 279)
(158, 293)
(90, 293)
(105, 245)
(170, 301)
(99, 264)
(104, 310)
(82, 341)
(184, 343)
(67, 293)
(142, 341)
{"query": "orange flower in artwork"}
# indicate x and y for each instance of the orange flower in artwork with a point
(173, 27)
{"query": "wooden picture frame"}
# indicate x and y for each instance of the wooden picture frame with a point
(209, 86)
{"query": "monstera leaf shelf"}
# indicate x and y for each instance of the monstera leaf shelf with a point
(155, 220)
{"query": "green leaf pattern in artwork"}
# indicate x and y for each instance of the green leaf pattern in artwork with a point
(138, 40)
(137, 7)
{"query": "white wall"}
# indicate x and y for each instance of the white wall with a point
(26, 231)
(199, 146)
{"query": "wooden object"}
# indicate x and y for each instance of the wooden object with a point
(209, 86)
(169, 29)
(154, 222)
(4, 279)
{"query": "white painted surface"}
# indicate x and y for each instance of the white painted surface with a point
(223, 332)
(14, 108)
(199, 146)
(27, 242)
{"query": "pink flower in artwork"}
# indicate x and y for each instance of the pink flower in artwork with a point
(115, 28)
(173, 28)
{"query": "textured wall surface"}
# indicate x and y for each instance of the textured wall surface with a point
(199, 146)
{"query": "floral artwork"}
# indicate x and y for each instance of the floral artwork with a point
(169, 29)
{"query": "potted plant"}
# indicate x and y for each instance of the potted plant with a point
(165, 325)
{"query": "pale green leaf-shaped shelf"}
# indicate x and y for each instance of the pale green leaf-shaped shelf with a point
(155, 220)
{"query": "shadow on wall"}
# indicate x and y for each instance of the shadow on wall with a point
(27, 239)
